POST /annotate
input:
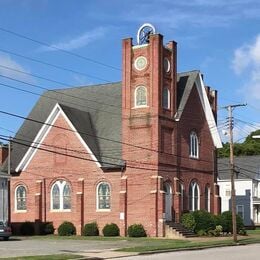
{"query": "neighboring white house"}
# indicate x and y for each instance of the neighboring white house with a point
(4, 189)
(247, 185)
(3, 197)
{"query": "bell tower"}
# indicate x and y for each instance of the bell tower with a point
(148, 92)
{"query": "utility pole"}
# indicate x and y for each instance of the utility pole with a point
(230, 109)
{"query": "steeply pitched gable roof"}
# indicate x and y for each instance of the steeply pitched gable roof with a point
(186, 81)
(95, 110)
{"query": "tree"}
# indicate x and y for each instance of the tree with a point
(250, 146)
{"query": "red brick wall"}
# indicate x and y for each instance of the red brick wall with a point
(45, 168)
(3, 154)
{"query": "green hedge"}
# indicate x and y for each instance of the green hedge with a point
(27, 228)
(66, 229)
(91, 229)
(203, 222)
(111, 230)
(136, 230)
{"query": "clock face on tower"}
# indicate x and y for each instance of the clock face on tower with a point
(140, 63)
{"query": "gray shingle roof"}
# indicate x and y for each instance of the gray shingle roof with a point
(95, 110)
(247, 167)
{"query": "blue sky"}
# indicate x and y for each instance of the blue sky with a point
(220, 38)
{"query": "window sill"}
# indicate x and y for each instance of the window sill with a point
(103, 210)
(194, 157)
(136, 107)
(20, 211)
(60, 210)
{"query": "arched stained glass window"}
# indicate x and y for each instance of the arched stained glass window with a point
(140, 96)
(194, 145)
(166, 98)
(61, 196)
(194, 196)
(21, 198)
(207, 198)
(103, 196)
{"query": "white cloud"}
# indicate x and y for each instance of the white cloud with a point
(247, 63)
(78, 42)
(12, 69)
(193, 13)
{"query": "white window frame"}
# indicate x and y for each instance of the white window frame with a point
(97, 197)
(168, 98)
(207, 199)
(15, 199)
(61, 185)
(193, 186)
(135, 95)
(194, 145)
(243, 210)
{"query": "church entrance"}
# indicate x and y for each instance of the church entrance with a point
(168, 202)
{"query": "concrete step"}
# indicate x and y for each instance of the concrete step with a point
(177, 230)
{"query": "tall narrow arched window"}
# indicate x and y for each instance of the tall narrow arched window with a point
(61, 196)
(207, 198)
(181, 190)
(194, 145)
(140, 96)
(166, 98)
(103, 196)
(194, 196)
(20, 198)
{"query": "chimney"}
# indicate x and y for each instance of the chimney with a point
(3, 153)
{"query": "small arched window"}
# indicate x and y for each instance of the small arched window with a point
(103, 196)
(61, 196)
(20, 198)
(166, 98)
(194, 145)
(140, 96)
(194, 196)
(207, 198)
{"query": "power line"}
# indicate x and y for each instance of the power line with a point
(59, 49)
(110, 163)
(55, 66)
(99, 137)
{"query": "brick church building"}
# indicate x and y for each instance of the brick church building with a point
(137, 151)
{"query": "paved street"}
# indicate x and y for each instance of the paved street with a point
(249, 252)
(26, 247)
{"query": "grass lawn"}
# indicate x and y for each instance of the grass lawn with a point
(157, 244)
(49, 257)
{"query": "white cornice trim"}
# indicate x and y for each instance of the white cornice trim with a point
(45, 129)
(208, 112)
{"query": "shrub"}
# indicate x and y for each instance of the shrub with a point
(66, 229)
(48, 228)
(91, 229)
(201, 233)
(219, 230)
(188, 221)
(226, 222)
(203, 220)
(242, 232)
(27, 228)
(212, 233)
(111, 230)
(136, 230)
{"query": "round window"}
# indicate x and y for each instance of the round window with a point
(140, 63)
(166, 65)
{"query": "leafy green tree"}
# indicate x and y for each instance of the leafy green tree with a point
(250, 146)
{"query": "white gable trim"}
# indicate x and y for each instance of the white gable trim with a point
(206, 107)
(208, 112)
(45, 129)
